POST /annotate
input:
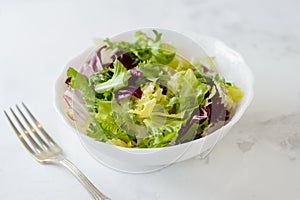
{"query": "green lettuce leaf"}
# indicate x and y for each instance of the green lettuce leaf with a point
(106, 128)
(163, 135)
(199, 88)
(118, 80)
(145, 49)
(81, 82)
(235, 92)
(164, 54)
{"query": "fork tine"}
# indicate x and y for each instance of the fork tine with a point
(42, 142)
(32, 141)
(39, 126)
(20, 136)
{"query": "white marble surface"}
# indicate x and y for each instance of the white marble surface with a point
(258, 160)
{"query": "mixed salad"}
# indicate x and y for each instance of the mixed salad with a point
(143, 94)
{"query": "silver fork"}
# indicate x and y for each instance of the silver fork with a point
(45, 150)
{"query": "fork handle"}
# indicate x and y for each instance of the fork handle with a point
(96, 194)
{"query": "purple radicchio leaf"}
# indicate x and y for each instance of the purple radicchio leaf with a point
(127, 61)
(124, 58)
(135, 75)
(98, 55)
(218, 109)
(91, 66)
(127, 92)
(68, 80)
(198, 116)
(206, 69)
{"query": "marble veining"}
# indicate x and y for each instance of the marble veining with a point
(245, 145)
(282, 134)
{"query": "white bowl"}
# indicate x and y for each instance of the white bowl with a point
(229, 64)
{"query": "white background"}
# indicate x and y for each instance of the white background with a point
(259, 159)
